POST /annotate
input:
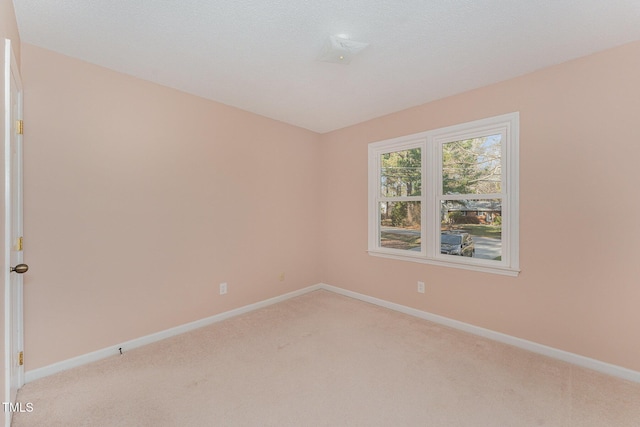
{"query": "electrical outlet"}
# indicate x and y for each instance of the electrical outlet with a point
(421, 287)
(223, 288)
(281, 277)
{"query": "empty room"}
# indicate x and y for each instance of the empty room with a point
(287, 213)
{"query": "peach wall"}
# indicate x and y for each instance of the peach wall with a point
(8, 29)
(140, 200)
(9, 26)
(579, 287)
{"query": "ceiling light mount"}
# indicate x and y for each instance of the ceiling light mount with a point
(341, 50)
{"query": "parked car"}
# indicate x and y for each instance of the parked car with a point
(456, 243)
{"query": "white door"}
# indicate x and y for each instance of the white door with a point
(14, 370)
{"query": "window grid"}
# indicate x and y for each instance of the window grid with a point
(432, 196)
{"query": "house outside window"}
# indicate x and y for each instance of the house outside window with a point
(448, 196)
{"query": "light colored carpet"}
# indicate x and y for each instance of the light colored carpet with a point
(322, 359)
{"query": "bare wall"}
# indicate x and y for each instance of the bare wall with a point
(140, 200)
(579, 287)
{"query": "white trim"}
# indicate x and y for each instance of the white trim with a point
(576, 359)
(7, 230)
(565, 356)
(450, 264)
(148, 339)
(11, 310)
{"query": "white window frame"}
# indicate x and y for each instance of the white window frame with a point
(430, 143)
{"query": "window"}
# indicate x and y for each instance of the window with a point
(448, 196)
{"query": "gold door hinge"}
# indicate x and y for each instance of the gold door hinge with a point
(19, 127)
(20, 244)
(21, 358)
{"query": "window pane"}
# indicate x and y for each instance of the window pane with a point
(471, 228)
(400, 225)
(400, 173)
(472, 166)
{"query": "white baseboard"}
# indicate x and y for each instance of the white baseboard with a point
(576, 359)
(573, 358)
(45, 371)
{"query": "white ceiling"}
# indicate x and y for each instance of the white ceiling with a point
(262, 55)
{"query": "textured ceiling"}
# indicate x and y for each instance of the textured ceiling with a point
(262, 55)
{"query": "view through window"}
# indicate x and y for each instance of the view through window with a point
(471, 203)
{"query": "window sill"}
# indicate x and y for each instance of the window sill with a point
(419, 258)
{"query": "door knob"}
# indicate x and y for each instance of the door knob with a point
(20, 268)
